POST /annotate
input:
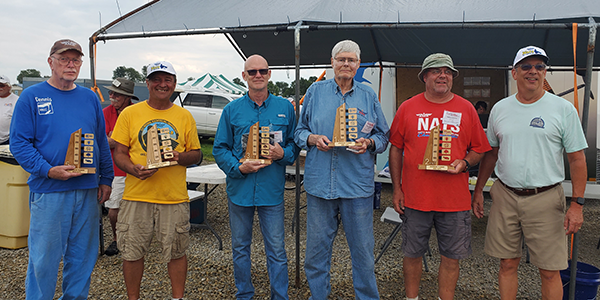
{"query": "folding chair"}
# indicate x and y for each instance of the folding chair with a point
(392, 217)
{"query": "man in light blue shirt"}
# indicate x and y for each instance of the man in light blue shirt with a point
(254, 186)
(339, 180)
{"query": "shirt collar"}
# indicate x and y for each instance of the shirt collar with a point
(338, 90)
(265, 103)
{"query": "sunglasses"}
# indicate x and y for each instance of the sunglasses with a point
(527, 67)
(262, 72)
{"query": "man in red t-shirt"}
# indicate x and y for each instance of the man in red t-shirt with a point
(426, 198)
(120, 93)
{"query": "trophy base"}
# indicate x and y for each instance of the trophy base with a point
(436, 167)
(343, 144)
(161, 164)
(262, 161)
(84, 170)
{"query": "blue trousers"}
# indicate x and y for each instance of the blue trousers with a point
(321, 228)
(271, 220)
(63, 225)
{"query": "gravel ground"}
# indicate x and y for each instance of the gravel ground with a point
(210, 273)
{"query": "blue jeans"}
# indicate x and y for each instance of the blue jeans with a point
(321, 228)
(63, 225)
(271, 220)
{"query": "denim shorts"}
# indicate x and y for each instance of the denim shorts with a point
(453, 232)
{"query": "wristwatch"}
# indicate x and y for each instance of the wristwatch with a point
(578, 200)
(468, 165)
(371, 145)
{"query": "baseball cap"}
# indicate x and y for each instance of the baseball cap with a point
(160, 66)
(4, 79)
(528, 51)
(61, 46)
(437, 60)
(122, 86)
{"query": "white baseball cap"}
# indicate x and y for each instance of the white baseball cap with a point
(4, 79)
(528, 51)
(160, 66)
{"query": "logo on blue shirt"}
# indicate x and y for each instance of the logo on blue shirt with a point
(537, 122)
(44, 106)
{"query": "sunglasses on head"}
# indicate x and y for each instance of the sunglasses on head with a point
(527, 67)
(261, 71)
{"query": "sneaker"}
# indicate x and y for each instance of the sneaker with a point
(112, 249)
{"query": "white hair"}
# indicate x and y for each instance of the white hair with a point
(346, 46)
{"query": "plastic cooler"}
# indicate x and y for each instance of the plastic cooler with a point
(14, 202)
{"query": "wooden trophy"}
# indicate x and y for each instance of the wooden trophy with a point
(74, 153)
(155, 152)
(438, 148)
(254, 143)
(346, 127)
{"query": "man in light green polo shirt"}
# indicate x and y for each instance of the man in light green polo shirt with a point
(528, 133)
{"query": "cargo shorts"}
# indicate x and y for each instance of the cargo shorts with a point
(453, 232)
(139, 221)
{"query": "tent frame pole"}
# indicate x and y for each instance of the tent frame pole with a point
(297, 177)
(584, 123)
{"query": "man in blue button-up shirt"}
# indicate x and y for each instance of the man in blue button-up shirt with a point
(252, 185)
(339, 180)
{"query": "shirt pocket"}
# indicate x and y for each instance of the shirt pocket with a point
(241, 129)
(279, 125)
(361, 121)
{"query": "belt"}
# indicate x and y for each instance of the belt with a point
(528, 192)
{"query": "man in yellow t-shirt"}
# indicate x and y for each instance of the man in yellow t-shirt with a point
(155, 201)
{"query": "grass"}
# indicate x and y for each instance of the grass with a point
(207, 146)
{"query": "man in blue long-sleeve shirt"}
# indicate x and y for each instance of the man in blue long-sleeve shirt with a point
(339, 180)
(64, 205)
(254, 186)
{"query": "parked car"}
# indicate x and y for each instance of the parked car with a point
(206, 108)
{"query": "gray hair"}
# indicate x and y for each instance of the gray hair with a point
(346, 46)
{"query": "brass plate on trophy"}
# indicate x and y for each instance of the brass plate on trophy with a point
(258, 145)
(155, 151)
(438, 148)
(345, 127)
(75, 156)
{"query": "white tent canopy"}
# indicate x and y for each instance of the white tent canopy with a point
(212, 82)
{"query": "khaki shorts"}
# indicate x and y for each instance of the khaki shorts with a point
(118, 187)
(138, 221)
(538, 219)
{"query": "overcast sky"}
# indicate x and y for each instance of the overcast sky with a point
(30, 27)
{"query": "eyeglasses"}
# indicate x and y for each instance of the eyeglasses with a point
(438, 71)
(527, 67)
(65, 61)
(262, 72)
(114, 94)
(343, 60)
(2, 85)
